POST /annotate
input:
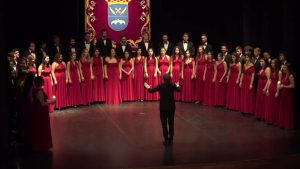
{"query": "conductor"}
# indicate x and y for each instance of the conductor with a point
(166, 106)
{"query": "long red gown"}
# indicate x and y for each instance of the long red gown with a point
(209, 86)
(188, 84)
(286, 107)
(163, 65)
(199, 79)
(86, 84)
(112, 84)
(151, 80)
(220, 87)
(272, 102)
(247, 94)
(176, 70)
(127, 82)
(260, 96)
(98, 83)
(61, 87)
(74, 92)
(41, 137)
(233, 89)
(138, 81)
(48, 87)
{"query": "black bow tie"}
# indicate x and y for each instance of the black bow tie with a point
(184, 42)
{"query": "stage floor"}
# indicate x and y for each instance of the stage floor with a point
(130, 135)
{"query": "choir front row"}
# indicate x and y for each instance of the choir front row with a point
(203, 79)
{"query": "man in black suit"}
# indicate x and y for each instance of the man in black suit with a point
(71, 47)
(185, 45)
(166, 44)
(226, 55)
(239, 52)
(123, 46)
(145, 44)
(166, 106)
(87, 44)
(41, 53)
(104, 44)
(30, 51)
(55, 48)
(207, 47)
(255, 61)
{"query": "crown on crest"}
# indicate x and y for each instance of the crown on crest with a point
(117, 1)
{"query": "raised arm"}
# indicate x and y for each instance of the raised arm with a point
(151, 90)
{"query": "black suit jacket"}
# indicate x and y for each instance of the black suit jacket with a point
(120, 51)
(104, 49)
(208, 47)
(170, 49)
(53, 51)
(26, 53)
(190, 47)
(69, 50)
(143, 47)
(166, 92)
(92, 48)
(39, 56)
(257, 69)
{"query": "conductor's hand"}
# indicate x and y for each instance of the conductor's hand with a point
(177, 84)
(146, 85)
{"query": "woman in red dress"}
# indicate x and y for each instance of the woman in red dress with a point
(188, 78)
(138, 81)
(164, 64)
(150, 68)
(246, 85)
(263, 82)
(127, 67)
(31, 65)
(74, 92)
(220, 81)
(98, 84)
(233, 80)
(41, 138)
(200, 67)
(208, 78)
(85, 68)
(44, 70)
(60, 81)
(112, 74)
(272, 99)
(176, 70)
(286, 107)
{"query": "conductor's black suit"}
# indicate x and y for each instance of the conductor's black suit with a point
(166, 107)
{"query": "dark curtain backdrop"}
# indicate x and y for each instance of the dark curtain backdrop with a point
(268, 24)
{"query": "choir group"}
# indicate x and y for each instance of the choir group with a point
(101, 71)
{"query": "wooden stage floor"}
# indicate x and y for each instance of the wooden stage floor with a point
(130, 136)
